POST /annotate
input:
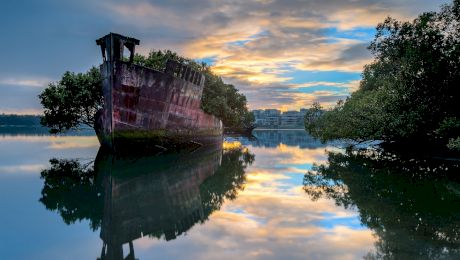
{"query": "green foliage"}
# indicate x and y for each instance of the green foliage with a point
(72, 101)
(157, 59)
(225, 102)
(219, 99)
(312, 115)
(454, 144)
(411, 90)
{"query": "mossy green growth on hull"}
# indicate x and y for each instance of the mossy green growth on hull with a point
(143, 141)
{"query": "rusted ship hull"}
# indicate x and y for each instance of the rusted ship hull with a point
(148, 108)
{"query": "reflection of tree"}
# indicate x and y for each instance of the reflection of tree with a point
(223, 185)
(72, 189)
(159, 196)
(413, 205)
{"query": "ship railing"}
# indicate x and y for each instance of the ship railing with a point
(184, 72)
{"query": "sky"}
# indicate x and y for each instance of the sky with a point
(283, 54)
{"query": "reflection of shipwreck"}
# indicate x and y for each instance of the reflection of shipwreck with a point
(132, 197)
(149, 107)
(149, 197)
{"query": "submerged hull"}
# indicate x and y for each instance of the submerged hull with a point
(145, 107)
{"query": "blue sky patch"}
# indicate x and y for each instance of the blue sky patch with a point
(238, 43)
(210, 61)
(360, 34)
(313, 89)
(299, 76)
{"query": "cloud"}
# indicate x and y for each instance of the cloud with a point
(287, 96)
(255, 42)
(24, 168)
(21, 111)
(344, 56)
(20, 99)
(28, 82)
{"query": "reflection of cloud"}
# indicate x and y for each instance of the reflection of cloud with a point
(55, 142)
(25, 138)
(74, 142)
(259, 176)
(231, 145)
(282, 217)
(272, 226)
(272, 218)
(31, 154)
(289, 155)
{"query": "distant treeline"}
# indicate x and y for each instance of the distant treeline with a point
(19, 120)
(30, 125)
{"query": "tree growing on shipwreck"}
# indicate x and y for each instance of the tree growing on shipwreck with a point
(74, 100)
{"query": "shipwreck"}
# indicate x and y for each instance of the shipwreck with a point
(148, 108)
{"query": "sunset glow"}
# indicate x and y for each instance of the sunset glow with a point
(280, 54)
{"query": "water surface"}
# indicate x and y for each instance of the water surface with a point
(251, 198)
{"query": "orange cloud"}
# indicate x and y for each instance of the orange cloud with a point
(256, 42)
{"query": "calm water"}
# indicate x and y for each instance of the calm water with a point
(280, 195)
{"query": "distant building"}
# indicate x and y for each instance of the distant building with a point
(291, 119)
(274, 118)
(303, 111)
